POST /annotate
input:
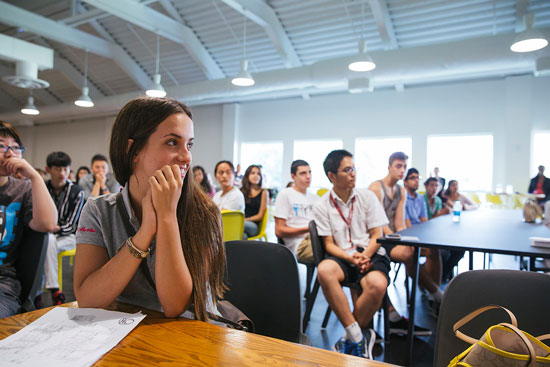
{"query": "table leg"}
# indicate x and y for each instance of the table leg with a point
(471, 258)
(414, 276)
(532, 263)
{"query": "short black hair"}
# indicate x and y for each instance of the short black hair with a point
(6, 130)
(58, 159)
(410, 172)
(430, 180)
(226, 162)
(296, 164)
(398, 156)
(99, 157)
(333, 160)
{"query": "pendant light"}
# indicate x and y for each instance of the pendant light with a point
(156, 89)
(362, 62)
(530, 39)
(30, 108)
(84, 100)
(243, 79)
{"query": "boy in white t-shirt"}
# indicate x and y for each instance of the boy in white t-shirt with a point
(349, 222)
(294, 211)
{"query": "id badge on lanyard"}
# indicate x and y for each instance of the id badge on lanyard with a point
(350, 214)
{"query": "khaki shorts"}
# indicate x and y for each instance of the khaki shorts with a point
(305, 251)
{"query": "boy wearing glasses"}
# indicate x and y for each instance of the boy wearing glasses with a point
(22, 203)
(69, 200)
(349, 221)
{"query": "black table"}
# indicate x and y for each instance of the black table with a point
(492, 231)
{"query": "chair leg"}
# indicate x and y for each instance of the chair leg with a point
(60, 272)
(397, 272)
(386, 305)
(309, 304)
(309, 277)
(327, 316)
(407, 290)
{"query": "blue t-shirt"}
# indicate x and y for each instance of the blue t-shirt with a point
(415, 208)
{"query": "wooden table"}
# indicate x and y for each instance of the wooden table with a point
(497, 231)
(158, 341)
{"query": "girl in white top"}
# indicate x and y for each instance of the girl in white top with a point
(229, 197)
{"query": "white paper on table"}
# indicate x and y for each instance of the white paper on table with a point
(67, 336)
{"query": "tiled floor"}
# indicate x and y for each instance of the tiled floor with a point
(392, 352)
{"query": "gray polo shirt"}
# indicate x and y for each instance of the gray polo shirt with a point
(100, 224)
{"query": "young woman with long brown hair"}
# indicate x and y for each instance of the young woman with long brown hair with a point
(176, 256)
(255, 199)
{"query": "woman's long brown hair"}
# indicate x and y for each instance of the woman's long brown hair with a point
(198, 217)
(245, 183)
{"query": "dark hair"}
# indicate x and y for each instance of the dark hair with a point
(398, 156)
(290, 184)
(430, 180)
(333, 160)
(199, 219)
(226, 162)
(448, 192)
(100, 157)
(58, 159)
(246, 182)
(79, 169)
(410, 172)
(8, 131)
(296, 164)
(204, 184)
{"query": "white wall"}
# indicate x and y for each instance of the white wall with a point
(509, 109)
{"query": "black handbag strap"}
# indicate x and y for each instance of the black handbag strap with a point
(130, 232)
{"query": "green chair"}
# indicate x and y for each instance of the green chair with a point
(233, 225)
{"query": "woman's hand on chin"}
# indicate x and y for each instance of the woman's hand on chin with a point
(148, 217)
(166, 186)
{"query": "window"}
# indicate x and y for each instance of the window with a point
(372, 155)
(540, 152)
(314, 152)
(268, 154)
(465, 158)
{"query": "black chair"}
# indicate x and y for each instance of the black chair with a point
(310, 269)
(264, 283)
(526, 294)
(319, 254)
(29, 266)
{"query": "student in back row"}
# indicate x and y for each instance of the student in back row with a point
(25, 202)
(255, 199)
(229, 197)
(294, 211)
(99, 181)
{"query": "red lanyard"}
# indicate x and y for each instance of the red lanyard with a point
(348, 220)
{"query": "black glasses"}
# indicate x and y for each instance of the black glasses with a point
(348, 170)
(15, 149)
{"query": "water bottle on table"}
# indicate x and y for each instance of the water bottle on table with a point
(457, 210)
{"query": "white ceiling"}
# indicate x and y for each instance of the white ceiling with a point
(201, 41)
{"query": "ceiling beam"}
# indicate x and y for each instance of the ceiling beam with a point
(147, 18)
(62, 33)
(264, 16)
(521, 11)
(382, 17)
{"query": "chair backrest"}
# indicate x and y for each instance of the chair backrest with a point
(29, 266)
(494, 199)
(263, 222)
(321, 192)
(317, 245)
(526, 294)
(264, 283)
(233, 225)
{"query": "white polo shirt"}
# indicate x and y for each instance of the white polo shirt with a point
(232, 200)
(367, 213)
(297, 209)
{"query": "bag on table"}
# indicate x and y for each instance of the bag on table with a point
(531, 210)
(502, 345)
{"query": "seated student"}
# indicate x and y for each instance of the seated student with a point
(81, 172)
(452, 195)
(294, 211)
(415, 213)
(173, 256)
(229, 197)
(202, 179)
(255, 199)
(22, 203)
(350, 221)
(68, 199)
(433, 202)
(540, 185)
(99, 181)
(393, 197)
